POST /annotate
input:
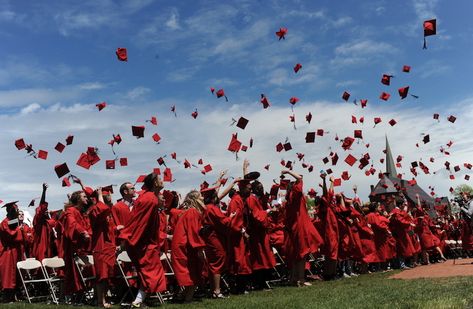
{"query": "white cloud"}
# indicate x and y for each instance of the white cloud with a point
(92, 86)
(207, 137)
(358, 52)
(33, 107)
(138, 92)
(173, 21)
(425, 8)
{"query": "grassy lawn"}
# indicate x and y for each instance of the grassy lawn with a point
(368, 291)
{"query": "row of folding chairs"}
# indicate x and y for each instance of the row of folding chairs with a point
(38, 277)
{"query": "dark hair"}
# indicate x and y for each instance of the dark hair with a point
(231, 193)
(148, 183)
(373, 206)
(75, 196)
(123, 187)
(211, 198)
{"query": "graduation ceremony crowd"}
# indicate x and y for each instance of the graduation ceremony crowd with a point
(233, 236)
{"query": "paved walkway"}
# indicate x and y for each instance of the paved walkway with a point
(463, 267)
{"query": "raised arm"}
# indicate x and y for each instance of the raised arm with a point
(292, 173)
(246, 164)
(225, 191)
(43, 194)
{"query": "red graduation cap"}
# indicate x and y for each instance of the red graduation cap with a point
(293, 100)
(69, 140)
(60, 147)
(156, 137)
(43, 154)
(207, 168)
(456, 168)
(468, 165)
(325, 160)
(297, 67)
(345, 96)
(157, 171)
(212, 90)
(110, 164)
(173, 109)
(20, 144)
(187, 164)
(266, 167)
(300, 156)
(235, 144)
(66, 182)
(403, 92)
(392, 122)
(308, 117)
(138, 131)
(358, 134)
(221, 93)
(123, 161)
(320, 132)
(173, 155)
(101, 105)
(452, 118)
(242, 122)
(122, 54)
(362, 119)
(282, 33)
(61, 170)
(467, 177)
(436, 116)
(117, 138)
(426, 139)
(140, 178)
(386, 79)
(337, 182)
(154, 121)
(350, 160)
(244, 148)
(195, 114)
(334, 159)
(347, 142)
(200, 162)
(353, 119)
(264, 101)
(406, 68)
(377, 120)
(310, 137)
(384, 96)
(83, 161)
(345, 175)
(160, 161)
(310, 169)
(279, 147)
(430, 28)
(287, 146)
(167, 175)
(363, 102)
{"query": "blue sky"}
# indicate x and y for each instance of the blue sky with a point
(58, 61)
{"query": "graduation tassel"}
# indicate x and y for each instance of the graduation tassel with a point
(425, 44)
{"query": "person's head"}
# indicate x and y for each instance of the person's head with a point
(210, 197)
(194, 199)
(373, 207)
(244, 187)
(21, 216)
(78, 198)
(127, 190)
(153, 183)
(107, 198)
(257, 188)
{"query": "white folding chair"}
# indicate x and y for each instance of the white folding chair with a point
(50, 267)
(82, 263)
(170, 275)
(122, 260)
(32, 275)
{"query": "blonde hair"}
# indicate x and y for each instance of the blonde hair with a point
(193, 200)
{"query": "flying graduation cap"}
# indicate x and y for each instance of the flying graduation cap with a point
(430, 28)
(121, 54)
(282, 33)
(264, 101)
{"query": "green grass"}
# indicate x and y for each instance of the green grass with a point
(367, 291)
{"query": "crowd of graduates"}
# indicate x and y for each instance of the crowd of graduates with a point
(234, 232)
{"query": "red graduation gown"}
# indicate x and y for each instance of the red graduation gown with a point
(301, 236)
(143, 244)
(73, 241)
(42, 244)
(276, 229)
(329, 227)
(239, 253)
(379, 225)
(400, 226)
(185, 244)
(366, 237)
(262, 256)
(103, 240)
(12, 240)
(216, 227)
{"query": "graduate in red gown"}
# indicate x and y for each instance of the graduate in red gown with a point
(329, 226)
(11, 237)
(141, 241)
(302, 237)
(187, 246)
(103, 243)
(262, 256)
(121, 211)
(216, 226)
(382, 234)
(239, 253)
(400, 226)
(27, 235)
(75, 241)
(43, 234)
